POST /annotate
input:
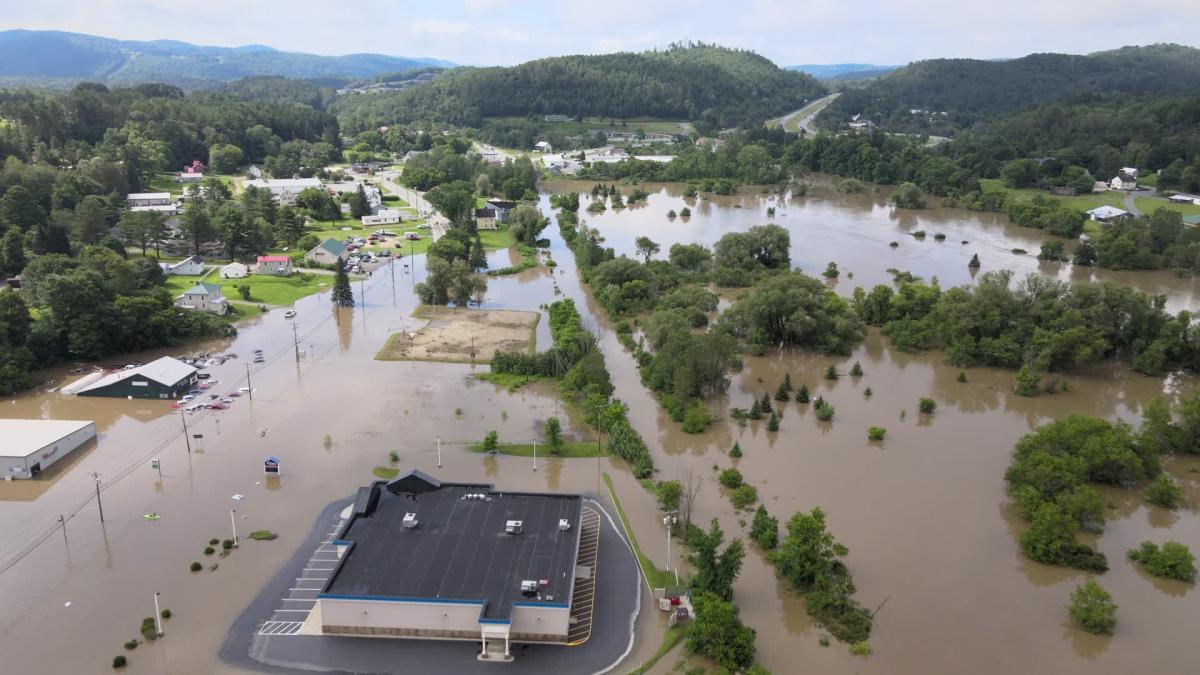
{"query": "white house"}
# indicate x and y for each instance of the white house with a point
(554, 162)
(136, 199)
(329, 252)
(203, 297)
(235, 270)
(1099, 186)
(543, 146)
(382, 217)
(1107, 213)
(1131, 171)
(276, 265)
(1123, 181)
(190, 266)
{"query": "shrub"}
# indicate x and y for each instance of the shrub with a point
(696, 417)
(743, 496)
(262, 535)
(876, 433)
(773, 422)
(764, 530)
(755, 410)
(730, 478)
(1172, 561)
(393, 457)
(118, 662)
(831, 271)
(765, 403)
(166, 614)
(491, 442)
(131, 645)
(1093, 609)
(856, 370)
(736, 450)
(974, 261)
(824, 411)
(802, 394)
(196, 567)
(782, 392)
(867, 392)
(214, 541)
(685, 212)
(208, 550)
(227, 544)
(860, 648)
(962, 376)
(1163, 491)
(831, 373)
(926, 406)
(553, 433)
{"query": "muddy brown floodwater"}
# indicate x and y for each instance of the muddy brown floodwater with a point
(924, 513)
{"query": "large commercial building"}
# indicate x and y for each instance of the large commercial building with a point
(422, 558)
(28, 447)
(165, 378)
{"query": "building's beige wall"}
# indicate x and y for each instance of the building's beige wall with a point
(540, 623)
(415, 619)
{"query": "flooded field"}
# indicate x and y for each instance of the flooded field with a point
(924, 513)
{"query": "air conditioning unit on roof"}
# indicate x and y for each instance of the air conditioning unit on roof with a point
(410, 520)
(512, 527)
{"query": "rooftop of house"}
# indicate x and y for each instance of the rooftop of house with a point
(203, 288)
(166, 371)
(332, 246)
(274, 258)
(459, 549)
(486, 212)
(142, 196)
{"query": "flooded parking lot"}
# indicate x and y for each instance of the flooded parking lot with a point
(924, 514)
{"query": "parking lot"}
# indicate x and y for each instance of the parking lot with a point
(295, 606)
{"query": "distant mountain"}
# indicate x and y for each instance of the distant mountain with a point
(841, 71)
(707, 84)
(58, 57)
(941, 95)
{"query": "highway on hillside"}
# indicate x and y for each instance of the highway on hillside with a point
(802, 119)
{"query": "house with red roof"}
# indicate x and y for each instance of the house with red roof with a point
(195, 167)
(278, 265)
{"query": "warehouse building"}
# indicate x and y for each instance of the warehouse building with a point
(29, 447)
(422, 558)
(165, 378)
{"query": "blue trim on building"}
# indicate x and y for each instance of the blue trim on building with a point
(383, 598)
(555, 605)
(503, 621)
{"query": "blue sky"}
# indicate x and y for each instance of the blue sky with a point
(505, 32)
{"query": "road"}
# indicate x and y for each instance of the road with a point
(802, 119)
(1130, 196)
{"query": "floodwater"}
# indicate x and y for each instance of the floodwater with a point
(924, 513)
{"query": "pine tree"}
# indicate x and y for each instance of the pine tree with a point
(756, 410)
(765, 403)
(856, 370)
(831, 373)
(974, 261)
(736, 450)
(802, 395)
(478, 257)
(773, 422)
(781, 394)
(343, 296)
(359, 206)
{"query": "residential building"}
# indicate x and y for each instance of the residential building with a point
(1107, 213)
(285, 190)
(329, 252)
(196, 166)
(235, 270)
(557, 118)
(1123, 181)
(383, 217)
(31, 446)
(254, 172)
(503, 207)
(167, 210)
(506, 562)
(374, 196)
(203, 297)
(164, 378)
(1099, 186)
(485, 219)
(136, 199)
(189, 266)
(275, 265)
(543, 146)
(1131, 171)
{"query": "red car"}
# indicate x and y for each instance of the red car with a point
(217, 406)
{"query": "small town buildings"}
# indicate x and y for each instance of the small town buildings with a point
(189, 266)
(165, 378)
(1107, 213)
(1131, 171)
(485, 219)
(136, 199)
(1099, 186)
(254, 172)
(503, 207)
(285, 190)
(554, 163)
(557, 118)
(329, 252)
(235, 270)
(189, 177)
(1185, 199)
(167, 210)
(29, 447)
(196, 166)
(382, 217)
(203, 297)
(1123, 181)
(374, 196)
(274, 265)
(506, 564)
(543, 146)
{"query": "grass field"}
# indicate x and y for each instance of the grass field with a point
(266, 290)
(385, 473)
(569, 450)
(655, 577)
(1080, 202)
(508, 380)
(673, 636)
(1148, 205)
(166, 183)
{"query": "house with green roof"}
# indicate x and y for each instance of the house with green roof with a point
(203, 297)
(329, 252)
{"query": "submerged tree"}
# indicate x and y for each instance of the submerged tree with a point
(342, 295)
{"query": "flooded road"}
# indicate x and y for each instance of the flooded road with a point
(924, 513)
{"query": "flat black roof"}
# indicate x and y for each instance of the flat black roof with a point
(459, 550)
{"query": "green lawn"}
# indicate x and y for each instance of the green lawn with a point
(655, 577)
(1148, 205)
(267, 290)
(1080, 202)
(570, 449)
(673, 636)
(166, 183)
(385, 473)
(508, 380)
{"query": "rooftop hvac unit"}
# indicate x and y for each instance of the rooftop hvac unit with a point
(529, 587)
(563, 524)
(410, 520)
(512, 527)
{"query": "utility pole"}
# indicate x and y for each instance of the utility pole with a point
(362, 296)
(186, 439)
(392, 270)
(296, 343)
(62, 522)
(98, 502)
(233, 523)
(249, 386)
(535, 454)
(157, 616)
(439, 444)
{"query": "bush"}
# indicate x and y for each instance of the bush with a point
(926, 406)
(824, 411)
(802, 394)
(1172, 561)
(962, 376)
(764, 531)
(860, 648)
(730, 478)
(743, 496)
(131, 645)
(856, 370)
(1092, 609)
(393, 457)
(208, 550)
(196, 567)
(782, 392)
(876, 433)
(831, 373)
(1163, 491)
(696, 418)
(227, 544)
(214, 541)
(736, 450)
(491, 442)
(118, 662)
(166, 614)
(773, 422)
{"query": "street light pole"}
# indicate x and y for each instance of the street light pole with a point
(99, 503)
(249, 386)
(535, 454)
(233, 523)
(439, 444)
(183, 418)
(157, 616)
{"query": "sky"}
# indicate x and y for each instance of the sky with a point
(504, 32)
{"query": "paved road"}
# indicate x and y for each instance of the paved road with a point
(1130, 196)
(806, 116)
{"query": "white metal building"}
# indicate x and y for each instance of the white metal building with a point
(28, 447)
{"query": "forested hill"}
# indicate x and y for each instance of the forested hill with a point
(53, 57)
(719, 86)
(969, 91)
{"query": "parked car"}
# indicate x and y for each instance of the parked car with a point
(289, 314)
(195, 392)
(204, 376)
(235, 393)
(186, 397)
(217, 406)
(242, 390)
(226, 400)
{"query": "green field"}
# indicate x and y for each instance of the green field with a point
(655, 578)
(508, 380)
(166, 183)
(266, 290)
(569, 450)
(648, 125)
(1148, 205)
(1080, 202)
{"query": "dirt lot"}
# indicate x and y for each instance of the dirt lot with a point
(451, 333)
